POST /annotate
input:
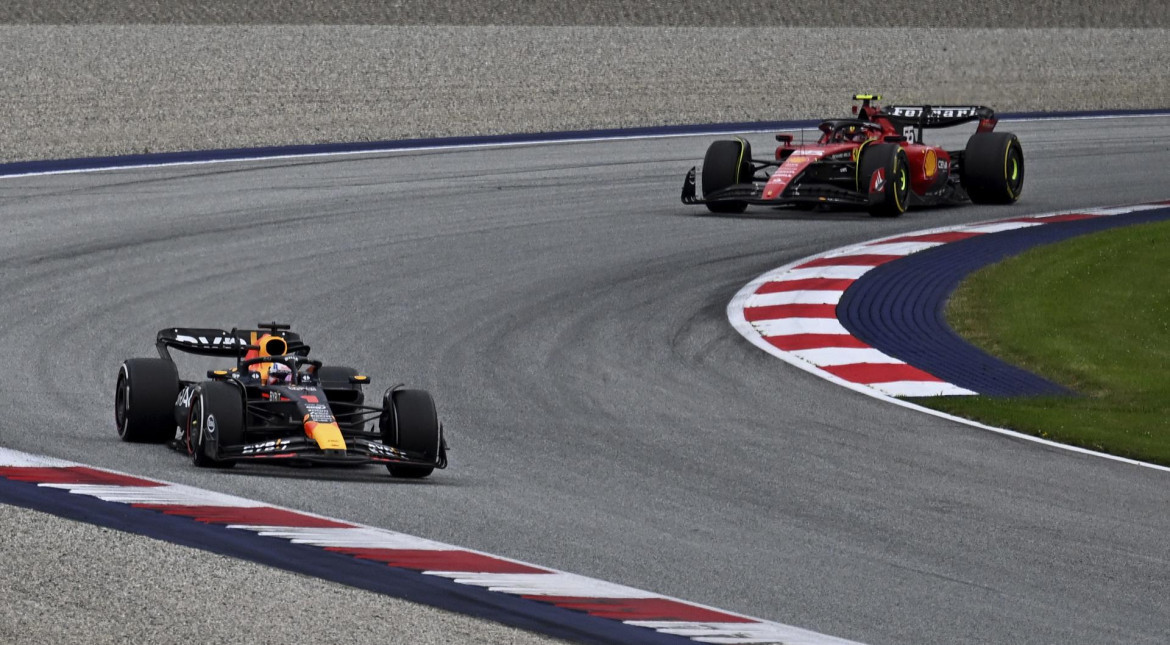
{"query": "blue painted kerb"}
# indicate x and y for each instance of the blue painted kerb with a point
(436, 591)
(899, 307)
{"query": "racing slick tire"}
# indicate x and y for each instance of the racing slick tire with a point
(993, 168)
(889, 158)
(216, 417)
(726, 163)
(144, 400)
(409, 422)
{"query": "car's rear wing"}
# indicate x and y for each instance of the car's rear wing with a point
(911, 120)
(220, 342)
(937, 116)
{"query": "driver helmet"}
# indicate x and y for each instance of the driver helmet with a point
(279, 374)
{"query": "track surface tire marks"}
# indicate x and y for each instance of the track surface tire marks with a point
(604, 420)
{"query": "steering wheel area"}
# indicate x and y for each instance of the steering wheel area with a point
(848, 131)
(293, 361)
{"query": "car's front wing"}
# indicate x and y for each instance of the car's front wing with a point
(798, 193)
(357, 451)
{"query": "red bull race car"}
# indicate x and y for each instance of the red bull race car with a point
(876, 161)
(274, 405)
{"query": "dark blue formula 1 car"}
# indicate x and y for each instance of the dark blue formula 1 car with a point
(274, 404)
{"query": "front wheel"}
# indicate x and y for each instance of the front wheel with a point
(410, 423)
(216, 419)
(726, 164)
(883, 173)
(993, 168)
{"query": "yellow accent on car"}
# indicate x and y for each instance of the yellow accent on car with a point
(897, 199)
(1007, 154)
(739, 164)
(273, 346)
(268, 345)
(857, 163)
(867, 97)
(327, 435)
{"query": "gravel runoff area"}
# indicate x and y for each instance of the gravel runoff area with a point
(771, 13)
(82, 90)
(103, 586)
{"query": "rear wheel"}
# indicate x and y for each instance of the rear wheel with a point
(884, 174)
(217, 418)
(144, 400)
(409, 422)
(726, 163)
(993, 168)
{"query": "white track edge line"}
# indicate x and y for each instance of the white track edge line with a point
(510, 144)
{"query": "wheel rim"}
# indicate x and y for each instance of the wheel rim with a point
(394, 416)
(739, 162)
(121, 404)
(901, 186)
(1014, 171)
(194, 428)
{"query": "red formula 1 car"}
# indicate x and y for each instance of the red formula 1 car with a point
(875, 161)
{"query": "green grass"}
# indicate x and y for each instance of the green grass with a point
(1092, 313)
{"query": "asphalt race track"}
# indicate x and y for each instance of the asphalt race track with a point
(568, 313)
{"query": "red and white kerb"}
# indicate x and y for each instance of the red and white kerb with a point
(791, 312)
(627, 605)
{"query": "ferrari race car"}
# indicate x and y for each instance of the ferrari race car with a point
(275, 405)
(875, 161)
